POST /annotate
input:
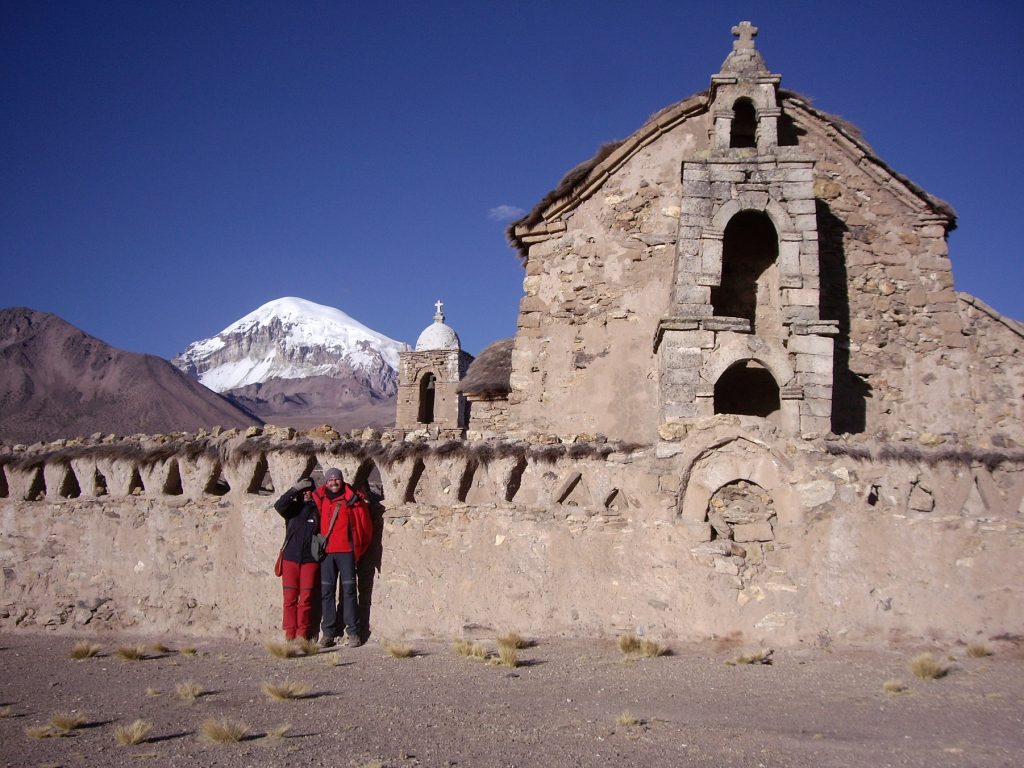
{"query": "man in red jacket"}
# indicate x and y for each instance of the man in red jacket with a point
(345, 521)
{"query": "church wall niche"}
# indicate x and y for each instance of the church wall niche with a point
(743, 131)
(750, 248)
(427, 390)
(747, 388)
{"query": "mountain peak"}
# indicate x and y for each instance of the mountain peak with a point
(293, 338)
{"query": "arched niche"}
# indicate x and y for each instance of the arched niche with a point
(743, 130)
(748, 287)
(427, 392)
(747, 388)
(726, 459)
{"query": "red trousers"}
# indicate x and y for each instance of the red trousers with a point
(301, 583)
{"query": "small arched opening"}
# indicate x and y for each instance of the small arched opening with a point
(748, 288)
(428, 387)
(744, 124)
(747, 388)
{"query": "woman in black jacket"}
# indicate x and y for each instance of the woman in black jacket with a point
(300, 573)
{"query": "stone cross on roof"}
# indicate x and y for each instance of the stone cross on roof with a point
(744, 32)
(439, 316)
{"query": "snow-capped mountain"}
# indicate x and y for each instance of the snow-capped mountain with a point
(297, 358)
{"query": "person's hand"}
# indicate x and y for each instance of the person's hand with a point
(304, 485)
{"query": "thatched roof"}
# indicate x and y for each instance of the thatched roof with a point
(588, 176)
(488, 375)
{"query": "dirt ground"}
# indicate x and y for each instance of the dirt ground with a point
(564, 705)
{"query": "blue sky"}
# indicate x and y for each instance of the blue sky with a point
(167, 167)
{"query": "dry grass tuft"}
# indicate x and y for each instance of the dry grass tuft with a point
(507, 657)
(926, 667)
(158, 648)
(306, 646)
(280, 731)
(222, 730)
(398, 650)
(6, 712)
(978, 650)
(651, 649)
(512, 640)
(43, 732)
(188, 691)
(188, 651)
(763, 656)
(470, 649)
(152, 692)
(894, 686)
(131, 652)
(84, 650)
(67, 721)
(331, 659)
(282, 650)
(629, 644)
(627, 719)
(135, 733)
(286, 690)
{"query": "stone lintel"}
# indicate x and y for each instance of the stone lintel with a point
(814, 327)
(674, 324)
(737, 324)
(792, 392)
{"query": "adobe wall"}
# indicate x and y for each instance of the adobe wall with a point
(584, 351)
(722, 529)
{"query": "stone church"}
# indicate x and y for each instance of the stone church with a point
(743, 401)
(742, 253)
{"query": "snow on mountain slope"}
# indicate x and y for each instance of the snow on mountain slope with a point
(291, 338)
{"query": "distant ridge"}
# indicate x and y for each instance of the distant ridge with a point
(58, 381)
(296, 363)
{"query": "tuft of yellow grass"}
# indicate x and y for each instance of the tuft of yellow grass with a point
(627, 719)
(507, 657)
(306, 646)
(188, 691)
(134, 733)
(158, 648)
(926, 667)
(280, 731)
(978, 650)
(511, 640)
(6, 712)
(629, 644)
(282, 650)
(43, 732)
(286, 690)
(188, 651)
(131, 652)
(763, 656)
(331, 659)
(84, 650)
(894, 686)
(67, 721)
(398, 650)
(222, 730)
(470, 649)
(651, 649)
(152, 692)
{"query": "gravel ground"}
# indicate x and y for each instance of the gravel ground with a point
(563, 706)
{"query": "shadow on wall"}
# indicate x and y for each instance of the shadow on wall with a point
(849, 390)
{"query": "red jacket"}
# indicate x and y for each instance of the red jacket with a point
(353, 514)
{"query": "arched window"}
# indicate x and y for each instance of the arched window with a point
(747, 388)
(750, 246)
(744, 124)
(427, 387)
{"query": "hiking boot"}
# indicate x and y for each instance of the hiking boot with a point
(352, 641)
(327, 642)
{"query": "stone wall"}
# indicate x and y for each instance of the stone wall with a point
(721, 528)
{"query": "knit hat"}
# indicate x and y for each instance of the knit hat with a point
(333, 474)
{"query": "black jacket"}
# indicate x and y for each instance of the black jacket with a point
(302, 522)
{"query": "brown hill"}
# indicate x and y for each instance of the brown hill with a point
(345, 403)
(57, 381)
